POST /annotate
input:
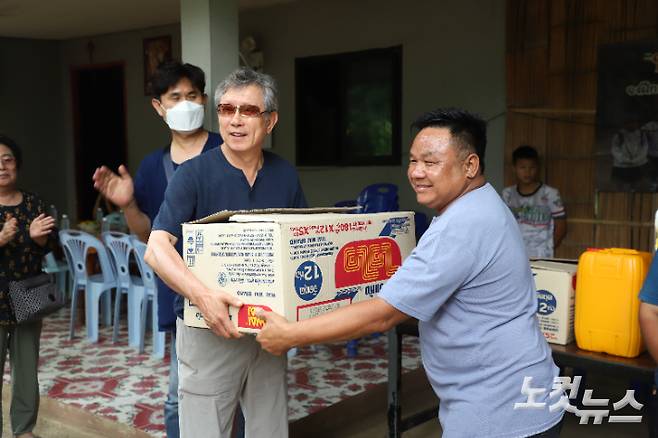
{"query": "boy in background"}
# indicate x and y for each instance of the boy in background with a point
(537, 207)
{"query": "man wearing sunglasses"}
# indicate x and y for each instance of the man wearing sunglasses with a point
(179, 99)
(219, 367)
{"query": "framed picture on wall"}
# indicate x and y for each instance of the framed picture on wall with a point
(626, 117)
(156, 50)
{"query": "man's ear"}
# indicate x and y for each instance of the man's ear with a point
(273, 118)
(472, 164)
(157, 106)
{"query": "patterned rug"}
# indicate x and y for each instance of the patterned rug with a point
(114, 381)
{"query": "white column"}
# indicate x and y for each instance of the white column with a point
(209, 39)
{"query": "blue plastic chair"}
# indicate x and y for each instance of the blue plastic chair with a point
(97, 287)
(422, 223)
(60, 268)
(379, 197)
(120, 248)
(150, 293)
(346, 203)
(116, 222)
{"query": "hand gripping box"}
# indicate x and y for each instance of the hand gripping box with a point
(299, 263)
(556, 285)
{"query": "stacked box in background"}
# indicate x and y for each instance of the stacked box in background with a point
(555, 283)
(298, 265)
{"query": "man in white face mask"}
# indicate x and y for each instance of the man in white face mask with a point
(178, 97)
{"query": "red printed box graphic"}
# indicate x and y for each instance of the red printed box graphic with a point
(247, 316)
(365, 261)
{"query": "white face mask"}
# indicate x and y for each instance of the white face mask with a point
(185, 116)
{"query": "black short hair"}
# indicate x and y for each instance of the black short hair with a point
(170, 72)
(525, 152)
(469, 130)
(15, 149)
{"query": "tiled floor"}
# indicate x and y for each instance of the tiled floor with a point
(116, 382)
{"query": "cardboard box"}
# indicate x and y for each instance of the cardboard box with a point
(299, 263)
(556, 285)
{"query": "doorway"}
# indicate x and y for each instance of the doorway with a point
(99, 115)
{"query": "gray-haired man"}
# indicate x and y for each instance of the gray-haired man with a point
(219, 367)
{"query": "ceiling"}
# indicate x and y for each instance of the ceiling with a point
(66, 19)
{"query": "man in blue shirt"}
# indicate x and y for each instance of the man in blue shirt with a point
(179, 98)
(649, 327)
(649, 309)
(219, 367)
(469, 284)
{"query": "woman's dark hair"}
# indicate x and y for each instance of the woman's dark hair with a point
(15, 149)
(169, 73)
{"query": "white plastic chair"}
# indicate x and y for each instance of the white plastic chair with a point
(150, 293)
(97, 287)
(120, 247)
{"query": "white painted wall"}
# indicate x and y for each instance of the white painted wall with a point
(145, 129)
(31, 114)
(453, 55)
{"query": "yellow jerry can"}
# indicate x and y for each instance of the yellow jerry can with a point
(607, 304)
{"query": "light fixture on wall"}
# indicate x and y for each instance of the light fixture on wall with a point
(250, 55)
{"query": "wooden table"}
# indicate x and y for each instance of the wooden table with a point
(641, 368)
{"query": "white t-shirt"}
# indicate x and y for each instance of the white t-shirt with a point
(535, 214)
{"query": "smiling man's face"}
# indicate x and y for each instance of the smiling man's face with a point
(437, 169)
(242, 133)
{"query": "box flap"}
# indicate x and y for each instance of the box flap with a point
(554, 266)
(254, 215)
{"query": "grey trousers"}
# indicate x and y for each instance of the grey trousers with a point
(22, 341)
(215, 373)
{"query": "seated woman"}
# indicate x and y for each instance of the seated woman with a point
(26, 235)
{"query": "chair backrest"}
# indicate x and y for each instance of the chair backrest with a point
(76, 245)
(49, 261)
(422, 223)
(116, 222)
(120, 247)
(378, 197)
(148, 276)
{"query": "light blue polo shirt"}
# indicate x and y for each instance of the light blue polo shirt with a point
(469, 284)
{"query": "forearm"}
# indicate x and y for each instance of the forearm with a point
(649, 327)
(138, 222)
(162, 256)
(41, 241)
(350, 322)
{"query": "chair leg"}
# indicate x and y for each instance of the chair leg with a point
(159, 338)
(92, 316)
(142, 325)
(74, 303)
(117, 314)
(135, 299)
(106, 300)
(353, 348)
